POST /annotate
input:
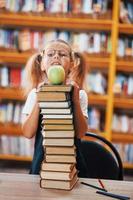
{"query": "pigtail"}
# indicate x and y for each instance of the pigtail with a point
(33, 72)
(78, 71)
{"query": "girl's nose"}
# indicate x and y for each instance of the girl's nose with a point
(56, 55)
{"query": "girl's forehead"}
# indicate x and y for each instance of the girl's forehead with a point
(58, 46)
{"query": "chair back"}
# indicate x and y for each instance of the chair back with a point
(101, 162)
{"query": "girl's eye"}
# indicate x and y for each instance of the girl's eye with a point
(50, 54)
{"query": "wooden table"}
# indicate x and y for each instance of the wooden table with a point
(26, 187)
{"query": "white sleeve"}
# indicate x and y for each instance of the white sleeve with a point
(83, 102)
(30, 102)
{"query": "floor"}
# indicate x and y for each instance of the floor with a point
(23, 167)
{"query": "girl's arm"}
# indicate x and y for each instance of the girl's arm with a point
(80, 121)
(30, 122)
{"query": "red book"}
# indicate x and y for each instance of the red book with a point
(15, 77)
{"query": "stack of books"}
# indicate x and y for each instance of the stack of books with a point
(58, 167)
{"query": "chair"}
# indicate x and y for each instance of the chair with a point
(100, 162)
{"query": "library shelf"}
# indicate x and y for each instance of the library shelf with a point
(10, 129)
(124, 65)
(53, 21)
(125, 28)
(78, 23)
(123, 102)
(15, 157)
(13, 56)
(96, 99)
(122, 137)
(21, 58)
(96, 60)
(8, 93)
(127, 165)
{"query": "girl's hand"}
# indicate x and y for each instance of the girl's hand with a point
(75, 94)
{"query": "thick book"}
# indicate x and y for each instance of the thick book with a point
(53, 96)
(52, 175)
(57, 127)
(57, 121)
(58, 134)
(59, 116)
(60, 158)
(60, 150)
(47, 104)
(56, 88)
(58, 141)
(57, 184)
(57, 167)
(56, 111)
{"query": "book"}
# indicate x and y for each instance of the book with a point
(52, 175)
(53, 96)
(56, 111)
(57, 184)
(57, 127)
(63, 104)
(56, 88)
(57, 121)
(60, 158)
(60, 150)
(58, 142)
(57, 167)
(61, 116)
(58, 134)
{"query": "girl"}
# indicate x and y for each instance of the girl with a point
(60, 53)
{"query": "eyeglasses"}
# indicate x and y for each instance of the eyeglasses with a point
(61, 53)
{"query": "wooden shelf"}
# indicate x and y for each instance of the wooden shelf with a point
(121, 102)
(11, 57)
(52, 21)
(11, 93)
(10, 129)
(122, 137)
(125, 66)
(15, 157)
(96, 99)
(128, 165)
(126, 28)
(97, 61)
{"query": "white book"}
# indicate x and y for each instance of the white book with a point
(87, 6)
(97, 42)
(4, 76)
(17, 112)
(64, 104)
(69, 116)
(56, 111)
(9, 113)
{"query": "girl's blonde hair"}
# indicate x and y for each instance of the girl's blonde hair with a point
(78, 72)
(34, 74)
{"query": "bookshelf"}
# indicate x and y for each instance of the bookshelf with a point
(110, 62)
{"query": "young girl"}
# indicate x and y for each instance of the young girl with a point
(56, 52)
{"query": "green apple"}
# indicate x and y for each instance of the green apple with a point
(56, 74)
